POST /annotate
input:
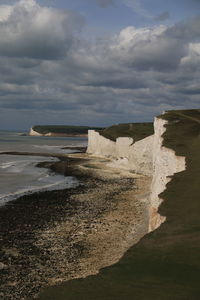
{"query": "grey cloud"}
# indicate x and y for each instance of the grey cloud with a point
(163, 16)
(190, 91)
(185, 31)
(37, 32)
(105, 3)
(119, 82)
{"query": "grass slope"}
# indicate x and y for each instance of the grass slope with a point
(63, 129)
(137, 131)
(165, 264)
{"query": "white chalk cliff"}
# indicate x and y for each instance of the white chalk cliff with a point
(147, 156)
(124, 152)
(34, 133)
(165, 163)
(99, 145)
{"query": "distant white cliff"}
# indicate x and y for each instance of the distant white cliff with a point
(34, 133)
(147, 156)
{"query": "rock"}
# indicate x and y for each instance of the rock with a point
(3, 266)
(11, 252)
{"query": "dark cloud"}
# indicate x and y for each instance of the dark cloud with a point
(119, 82)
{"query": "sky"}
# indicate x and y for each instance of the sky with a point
(97, 62)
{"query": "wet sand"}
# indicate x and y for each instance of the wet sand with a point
(51, 237)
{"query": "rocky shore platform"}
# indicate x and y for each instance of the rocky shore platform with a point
(51, 237)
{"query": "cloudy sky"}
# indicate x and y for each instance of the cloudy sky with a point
(97, 62)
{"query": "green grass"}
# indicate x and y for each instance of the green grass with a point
(63, 129)
(165, 264)
(137, 131)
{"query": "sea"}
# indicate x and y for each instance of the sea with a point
(19, 174)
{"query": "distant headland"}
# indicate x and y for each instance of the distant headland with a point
(61, 130)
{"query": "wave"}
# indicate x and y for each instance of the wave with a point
(57, 149)
(66, 183)
(19, 176)
(49, 147)
(26, 165)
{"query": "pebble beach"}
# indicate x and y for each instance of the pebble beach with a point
(51, 237)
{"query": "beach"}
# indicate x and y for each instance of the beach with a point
(53, 236)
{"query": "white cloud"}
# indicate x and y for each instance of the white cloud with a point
(146, 48)
(192, 59)
(5, 11)
(39, 32)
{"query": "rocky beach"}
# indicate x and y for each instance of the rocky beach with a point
(53, 236)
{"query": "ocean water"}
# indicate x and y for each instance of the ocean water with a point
(19, 174)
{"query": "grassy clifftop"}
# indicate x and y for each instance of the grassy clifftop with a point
(165, 264)
(63, 129)
(137, 131)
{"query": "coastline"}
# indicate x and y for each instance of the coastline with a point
(59, 135)
(59, 235)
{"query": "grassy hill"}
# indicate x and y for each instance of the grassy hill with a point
(137, 131)
(63, 129)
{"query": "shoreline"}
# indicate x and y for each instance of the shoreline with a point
(64, 234)
(52, 134)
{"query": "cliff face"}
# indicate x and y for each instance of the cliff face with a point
(165, 164)
(140, 156)
(99, 145)
(124, 152)
(147, 157)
